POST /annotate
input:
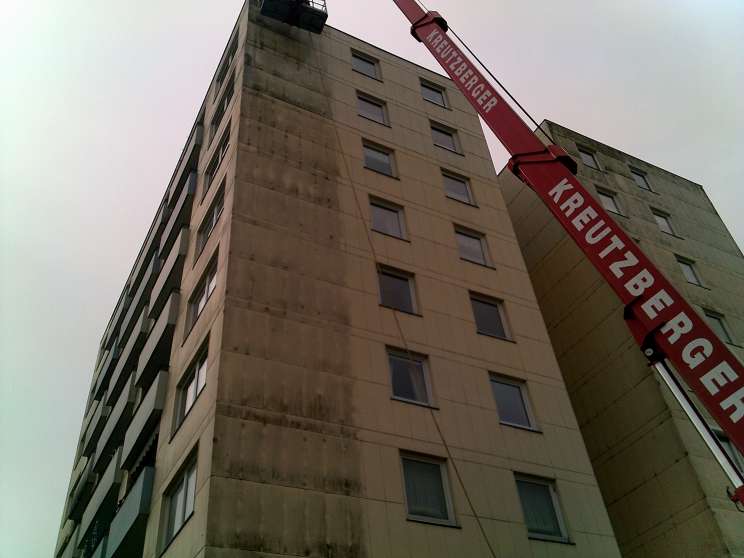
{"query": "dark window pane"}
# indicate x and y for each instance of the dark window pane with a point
(488, 318)
(395, 292)
(608, 202)
(588, 159)
(424, 489)
(640, 180)
(664, 224)
(716, 324)
(367, 67)
(409, 381)
(471, 248)
(378, 160)
(372, 110)
(539, 512)
(386, 220)
(433, 94)
(444, 139)
(457, 188)
(510, 403)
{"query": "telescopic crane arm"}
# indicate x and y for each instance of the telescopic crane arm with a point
(662, 322)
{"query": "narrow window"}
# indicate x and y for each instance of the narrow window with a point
(689, 271)
(717, 323)
(489, 316)
(733, 453)
(210, 219)
(640, 179)
(220, 153)
(379, 159)
(471, 245)
(365, 64)
(427, 489)
(588, 158)
(387, 218)
(202, 292)
(540, 508)
(512, 402)
(371, 108)
(225, 66)
(192, 384)
(663, 221)
(179, 500)
(397, 290)
(409, 376)
(221, 107)
(609, 201)
(433, 93)
(457, 188)
(445, 137)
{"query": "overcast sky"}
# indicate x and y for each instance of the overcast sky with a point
(98, 98)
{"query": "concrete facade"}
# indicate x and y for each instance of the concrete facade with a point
(295, 438)
(665, 494)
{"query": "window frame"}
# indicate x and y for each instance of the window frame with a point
(458, 178)
(708, 315)
(400, 274)
(210, 220)
(221, 107)
(480, 237)
(734, 455)
(215, 162)
(602, 193)
(682, 262)
(392, 207)
(179, 480)
(403, 354)
(366, 98)
(426, 84)
(592, 156)
(499, 304)
(447, 130)
(451, 520)
(366, 144)
(224, 66)
(555, 500)
(370, 60)
(634, 172)
(494, 377)
(659, 214)
(202, 286)
(182, 410)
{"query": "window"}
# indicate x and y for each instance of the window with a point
(663, 221)
(688, 270)
(718, 325)
(221, 107)
(180, 499)
(588, 158)
(511, 402)
(379, 159)
(471, 245)
(640, 179)
(397, 290)
(202, 292)
(733, 453)
(371, 108)
(387, 218)
(540, 508)
(433, 93)
(210, 219)
(444, 137)
(457, 188)
(609, 201)
(427, 489)
(409, 376)
(219, 155)
(229, 57)
(192, 384)
(366, 65)
(489, 316)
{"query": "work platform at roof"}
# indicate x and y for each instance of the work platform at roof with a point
(310, 15)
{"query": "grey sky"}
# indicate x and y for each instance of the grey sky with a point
(97, 101)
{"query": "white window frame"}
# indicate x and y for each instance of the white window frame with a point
(219, 155)
(464, 231)
(524, 393)
(499, 304)
(425, 84)
(180, 480)
(553, 491)
(390, 206)
(400, 274)
(447, 130)
(221, 107)
(644, 179)
(230, 53)
(459, 178)
(402, 354)
(210, 220)
(367, 58)
(713, 315)
(602, 194)
(366, 144)
(658, 214)
(446, 488)
(192, 376)
(591, 155)
(685, 263)
(364, 97)
(202, 292)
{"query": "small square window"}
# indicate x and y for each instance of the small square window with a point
(192, 384)
(540, 507)
(663, 221)
(445, 137)
(371, 108)
(640, 179)
(457, 188)
(387, 218)
(689, 271)
(366, 65)
(730, 449)
(609, 201)
(489, 316)
(512, 402)
(202, 293)
(433, 93)
(427, 489)
(409, 376)
(379, 159)
(397, 290)
(471, 245)
(588, 158)
(718, 324)
(179, 501)
(210, 219)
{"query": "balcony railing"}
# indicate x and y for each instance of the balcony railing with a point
(81, 492)
(103, 501)
(70, 549)
(170, 273)
(187, 162)
(155, 354)
(140, 298)
(106, 370)
(127, 533)
(180, 216)
(113, 433)
(95, 427)
(146, 419)
(127, 363)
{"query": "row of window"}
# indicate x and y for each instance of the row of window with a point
(589, 158)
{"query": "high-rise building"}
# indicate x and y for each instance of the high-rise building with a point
(665, 493)
(329, 344)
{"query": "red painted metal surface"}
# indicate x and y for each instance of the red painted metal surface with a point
(662, 322)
